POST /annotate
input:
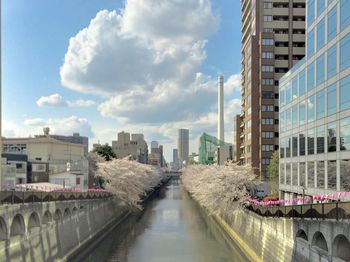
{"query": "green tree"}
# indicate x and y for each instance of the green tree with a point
(105, 151)
(273, 170)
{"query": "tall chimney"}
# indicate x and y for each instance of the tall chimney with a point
(221, 108)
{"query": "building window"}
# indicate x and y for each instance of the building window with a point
(282, 147)
(311, 109)
(288, 93)
(345, 51)
(320, 73)
(332, 61)
(311, 11)
(268, 95)
(344, 14)
(295, 174)
(267, 41)
(311, 76)
(345, 134)
(267, 68)
(295, 116)
(311, 141)
(288, 147)
(295, 145)
(320, 104)
(302, 82)
(267, 108)
(302, 174)
(311, 43)
(302, 112)
(288, 174)
(267, 18)
(268, 81)
(78, 180)
(332, 99)
(332, 174)
(267, 148)
(265, 161)
(267, 121)
(332, 137)
(282, 174)
(320, 6)
(345, 175)
(320, 134)
(320, 34)
(345, 93)
(332, 23)
(302, 144)
(311, 174)
(320, 174)
(268, 134)
(267, 55)
(295, 87)
(267, 5)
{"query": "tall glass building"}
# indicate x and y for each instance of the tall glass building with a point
(315, 106)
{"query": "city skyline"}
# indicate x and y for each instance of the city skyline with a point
(57, 95)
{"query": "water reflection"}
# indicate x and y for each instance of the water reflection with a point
(172, 228)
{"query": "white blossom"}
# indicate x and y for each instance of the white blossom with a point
(217, 188)
(128, 180)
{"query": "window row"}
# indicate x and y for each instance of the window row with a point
(322, 104)
(317, 72)
(318, 174)
(319, 140)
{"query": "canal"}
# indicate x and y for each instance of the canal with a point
(172, 228)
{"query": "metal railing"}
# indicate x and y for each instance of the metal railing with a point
(22, 197)
(332, 210)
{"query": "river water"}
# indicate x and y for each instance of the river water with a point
(172, 228)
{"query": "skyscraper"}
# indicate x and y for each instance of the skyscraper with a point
(315, 107)
(273, 40)
(183, 145)
(221, 130)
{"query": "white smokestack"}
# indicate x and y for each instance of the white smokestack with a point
(221, 108)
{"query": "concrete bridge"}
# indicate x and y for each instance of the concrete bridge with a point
(52, 230)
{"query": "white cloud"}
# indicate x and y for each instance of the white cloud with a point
(61, 126)
(145, 59)
(233, 83)
(56, 100)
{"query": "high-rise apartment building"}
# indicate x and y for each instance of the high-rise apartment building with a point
(315, 107)
(183, 145)
(273, 40)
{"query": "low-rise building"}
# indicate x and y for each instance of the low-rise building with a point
(14, 170)
(135, 147)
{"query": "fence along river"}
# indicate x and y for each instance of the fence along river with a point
(172, 228)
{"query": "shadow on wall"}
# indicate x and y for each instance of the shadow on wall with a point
(46, 236)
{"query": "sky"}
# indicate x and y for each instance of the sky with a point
(100, 67)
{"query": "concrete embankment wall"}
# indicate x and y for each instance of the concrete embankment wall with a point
(285, 239)
(51, 231)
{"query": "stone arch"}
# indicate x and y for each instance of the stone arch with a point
(341, 247)
(17, 226)
(66, 212)
(319, 241)
(301, 234)
(75, 211)
(58, 215)
(3, 229)
(33, 221)
(47, 217)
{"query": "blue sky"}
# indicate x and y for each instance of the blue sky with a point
(144, 68)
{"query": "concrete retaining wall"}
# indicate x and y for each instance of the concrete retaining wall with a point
(283, 239)
(51, 231)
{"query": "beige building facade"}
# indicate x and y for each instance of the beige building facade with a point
(273, 40)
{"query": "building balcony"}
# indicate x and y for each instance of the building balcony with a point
(299, 11)
(298, 37)
(283, 11)
(281, 37)
(281, 63)
(298, 50)
(281, 50)
(277, 24)
(299, 24)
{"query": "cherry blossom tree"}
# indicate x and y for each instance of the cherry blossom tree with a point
(218, 188)
(128, 180)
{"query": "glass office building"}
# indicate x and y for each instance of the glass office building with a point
(315, 106)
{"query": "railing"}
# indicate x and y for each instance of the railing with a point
(21, 197)
(333, 210)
